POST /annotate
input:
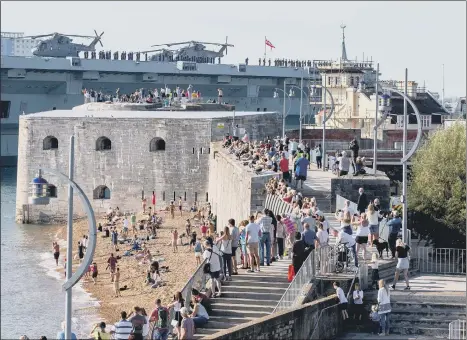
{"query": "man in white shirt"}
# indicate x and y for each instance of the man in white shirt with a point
(253, 233)
(122, 329)
(265, 224)
(212, 255)
(349, 242)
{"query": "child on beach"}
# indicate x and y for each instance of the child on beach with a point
(375, 320)
(204, 229)
(180, 205)
(94, 272)
(193, 240)
(174, 240)
(117, 283)
(198, 251)
(172, 209)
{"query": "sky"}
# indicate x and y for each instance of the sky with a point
(420, 36)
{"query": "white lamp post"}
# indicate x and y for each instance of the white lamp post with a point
(284, 114)
(41, 192)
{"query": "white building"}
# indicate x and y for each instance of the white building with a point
(13, 44)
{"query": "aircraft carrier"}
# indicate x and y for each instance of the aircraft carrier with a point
(42, 82)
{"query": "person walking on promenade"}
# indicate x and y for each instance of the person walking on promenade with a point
(265, 224)
(319, 156)
(373, 221)
(56, 251)
(253, 234)
(403, 263)
(235, 233)
(395, 226)
(362, 203)
(226, 250)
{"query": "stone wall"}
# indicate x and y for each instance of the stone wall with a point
(129, 169)
(375, 187)
(298, 323)
(235, 191)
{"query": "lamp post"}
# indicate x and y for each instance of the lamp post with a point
(284, 114)
(301, 104)
(325, 118)
(406, 155)
(375, 138)
(40, 195)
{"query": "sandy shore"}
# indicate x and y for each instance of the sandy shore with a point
(181, 266)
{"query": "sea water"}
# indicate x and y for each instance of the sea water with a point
(33, 302)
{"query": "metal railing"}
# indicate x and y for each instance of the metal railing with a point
(315, 264)
(198, 281)
(441, 260)
(457, 330)
(333, 313)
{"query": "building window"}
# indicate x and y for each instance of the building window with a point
(157, 144)
(5, 113)
(50, 143)
(103, 143)
(329, 81)
(101, 193)
(426, 121)
(351, 81)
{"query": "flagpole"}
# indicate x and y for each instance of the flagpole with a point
(265, 47)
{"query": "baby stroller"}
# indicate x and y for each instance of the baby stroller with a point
(343, 257)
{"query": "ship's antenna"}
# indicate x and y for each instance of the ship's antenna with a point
(344, 52)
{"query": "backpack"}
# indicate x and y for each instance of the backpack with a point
(162, 318)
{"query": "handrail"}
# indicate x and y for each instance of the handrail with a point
(322, 310)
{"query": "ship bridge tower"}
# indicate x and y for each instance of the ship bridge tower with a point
(348, 80)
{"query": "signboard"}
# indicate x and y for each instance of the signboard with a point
(220, 125)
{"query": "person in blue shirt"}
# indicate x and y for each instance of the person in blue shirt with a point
(301, 170)
(61, 335)
(395, 226)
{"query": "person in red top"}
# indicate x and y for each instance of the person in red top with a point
(160, 315)
(284, 166)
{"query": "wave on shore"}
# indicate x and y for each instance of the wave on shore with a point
(85, 307)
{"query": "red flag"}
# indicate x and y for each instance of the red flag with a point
(268, 43)
(153, 198)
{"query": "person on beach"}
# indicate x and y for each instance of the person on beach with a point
(188, 227)
(84, 242)
(99, 333)
(112, 263)
(133, 222)
(114, 239)
(172, 209)
(146, 325)
(125, 227)
(56, 251)
(174, 240)
(198, 251)
(80, 251)
(144, 202)
(94, 272)
(117, 283)
(180, 205)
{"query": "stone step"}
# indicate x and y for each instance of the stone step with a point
(238, 313)
(223, 324)
(248, 294)
(254, 289)
(242, 307)
(367, 336)
(426, 331)
(428, 306)
(231, 319)
(246, 300)
(416, 319)
(251, 280)
(416, 295)
(206, 330)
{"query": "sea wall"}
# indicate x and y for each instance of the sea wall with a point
(235, 190)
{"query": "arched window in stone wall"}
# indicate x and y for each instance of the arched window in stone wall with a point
(50, 143)
(101, 193)
(103, 144)
(156, 144)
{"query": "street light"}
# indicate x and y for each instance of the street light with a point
(40, 194)
(405, 156)
(292, 93)
(276, 95)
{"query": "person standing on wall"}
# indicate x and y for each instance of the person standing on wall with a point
(362, 203)
(319, 156)
(354, 148)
